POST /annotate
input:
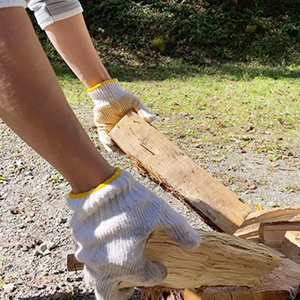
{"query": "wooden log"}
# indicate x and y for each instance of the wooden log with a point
(291, 245)
(233, 294)
(279, 284)
(250, 232)
(213, 293)
(221, 259)
(73, 264)
(272, 215)
(172, 168)
(161, 293)
(272, 233)
(250, 228)
(282, 282)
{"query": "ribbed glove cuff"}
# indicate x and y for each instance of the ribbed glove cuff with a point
(106, 92)
(86, 204)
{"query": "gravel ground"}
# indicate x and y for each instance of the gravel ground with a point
(35, 236)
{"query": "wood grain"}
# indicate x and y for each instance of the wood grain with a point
(279, 284)
(272, 233)
(153, 152)
(251, 227)
(221, 259)
(291, 245)
(275, 214)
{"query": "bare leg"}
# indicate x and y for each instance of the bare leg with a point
(33, 105)
(72, 40)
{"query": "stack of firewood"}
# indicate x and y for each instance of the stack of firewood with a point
(278, 228)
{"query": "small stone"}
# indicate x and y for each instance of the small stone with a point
(37, 253)
(61, 220)
(185, 115)
(10, 287)
(43, 247)
(16, 210)
(247, 138)
(42, 287)
(3, 196)
(52, 246)
(47, 252)
(240, 150)
(288, 152)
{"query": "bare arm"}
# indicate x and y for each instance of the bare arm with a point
(33, 105)
(72, 40)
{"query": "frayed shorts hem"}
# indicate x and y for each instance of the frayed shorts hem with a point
(51, 19)
(12, 3)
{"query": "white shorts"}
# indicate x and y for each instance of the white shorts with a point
(12, 3)
(47, 11)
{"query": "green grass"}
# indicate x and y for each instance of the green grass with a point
(227, 106)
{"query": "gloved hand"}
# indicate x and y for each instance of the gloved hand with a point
(111, 225)
(112, 103)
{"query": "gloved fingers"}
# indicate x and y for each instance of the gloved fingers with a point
(106, 141)
(146, 115)
(179, 230)
(110, 291)
(141, 109)
(148, 273)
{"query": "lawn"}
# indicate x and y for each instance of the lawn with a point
(225, 107)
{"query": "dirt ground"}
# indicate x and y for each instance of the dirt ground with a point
(35, 236)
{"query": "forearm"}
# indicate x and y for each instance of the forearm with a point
(72, 40)
(69, 35)
(33, 105)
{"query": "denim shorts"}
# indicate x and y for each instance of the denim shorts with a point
(47, 11)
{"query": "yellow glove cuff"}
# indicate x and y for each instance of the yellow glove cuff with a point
(101, 83)
(117, 173)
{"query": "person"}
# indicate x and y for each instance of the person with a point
(113, 214)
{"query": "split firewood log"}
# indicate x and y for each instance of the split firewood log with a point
(274, 214)
(272, 233)
(221, 259)
(279, 284)
(165, 163)
(250, 229)
(291, 245)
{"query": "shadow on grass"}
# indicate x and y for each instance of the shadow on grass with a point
(182, 70)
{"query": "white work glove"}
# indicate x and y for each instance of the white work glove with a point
(112, 103)
(111, 225)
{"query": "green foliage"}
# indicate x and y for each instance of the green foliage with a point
(56, 178)
(263, 31)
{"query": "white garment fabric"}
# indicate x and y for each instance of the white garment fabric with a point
(111, 225)
(12, 3)
(49, 11)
